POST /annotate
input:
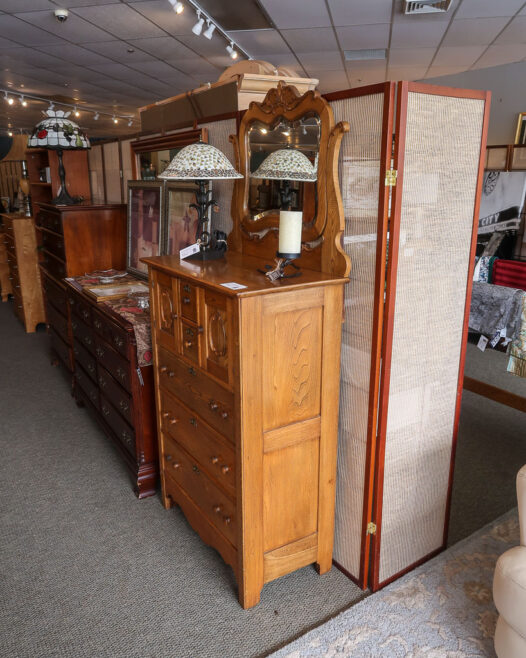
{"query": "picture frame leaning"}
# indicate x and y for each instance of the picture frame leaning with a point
(145, 218)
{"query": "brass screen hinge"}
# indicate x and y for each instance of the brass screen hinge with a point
(371, 528)
(390, 177)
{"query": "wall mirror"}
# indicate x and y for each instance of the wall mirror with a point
(303, 135)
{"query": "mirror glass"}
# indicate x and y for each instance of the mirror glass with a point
(153, 163)
(264, 195)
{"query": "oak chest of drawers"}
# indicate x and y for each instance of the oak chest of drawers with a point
(22, 259)
(110, 383)
(74, 240)
(247, 386)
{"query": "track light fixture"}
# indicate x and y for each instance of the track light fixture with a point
(209, 30)
(76, 112)
(9, 133)
(51, 106)
(178, 7)
(115, 120)
(8, 99)
(198, 27)
(96, 116)
(23, 101)
(231, 50)
(130, 122)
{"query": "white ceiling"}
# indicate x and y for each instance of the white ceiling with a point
(118, 56)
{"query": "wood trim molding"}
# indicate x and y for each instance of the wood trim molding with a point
(175, 140)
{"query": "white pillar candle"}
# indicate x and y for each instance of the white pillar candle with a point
(290, 225)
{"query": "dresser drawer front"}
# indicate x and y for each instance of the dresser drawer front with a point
(58, 322)
(18, 306)
(61, 349)
(190, 341)
(88, 386)
(86, 360)
(120, 398)
(114, 335)
(118, 367)
(215, 455)
(53, 243)
(198, 391)
(50, 221)
(218, 508)
(117, 423)
(55, 295)
(83, 333)
(55, 266)
(188, 297)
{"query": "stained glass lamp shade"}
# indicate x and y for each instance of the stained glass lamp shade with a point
(56, 132)
(202, 162)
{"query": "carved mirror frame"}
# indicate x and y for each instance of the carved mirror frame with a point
(321, 238)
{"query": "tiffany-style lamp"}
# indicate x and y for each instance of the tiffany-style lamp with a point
(56, 132)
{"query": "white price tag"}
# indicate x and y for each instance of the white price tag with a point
(233, 285)
(189, 251)
(483, 341)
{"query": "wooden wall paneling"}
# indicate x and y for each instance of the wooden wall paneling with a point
(77, 172)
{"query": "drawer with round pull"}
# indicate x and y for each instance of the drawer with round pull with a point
(59, 347)
(115, 364)
(49, 221)
(88, 387)
(83, 333)
(197, 391)
(114, 335)
(120, 398)
(210, 449)
(81, 308)
(116, 422)
(55, 295)
(188, 297)
(190, 335)
(86, 360)
(58, 321)
(216, 505)
(53, 243)
(55, 266)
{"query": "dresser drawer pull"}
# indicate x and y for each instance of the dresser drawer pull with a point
(105, 410)
(93, 395)
(165, 414)
(99, 351)
(98, 324)
(186, 288)
(195, 469)
(121, 373)
(225, 469)
(124, 405)
(168, 458)
(224, 415)
(126, 437)
(71, 300)
(102, 382)
(76, 351)
(85, 314)
(187, 343)
(188, 331)
(186, 300)
(91, 368)
(87, 340)
(171, 373)
(214, 459)
(226, 520)
(192, 371)
(163, 369)
(217, 509)
(118, 341)
(74, 325)
(177, 465)
(193, 421)
(173, 420)
(213, 405)
(17, 286)
(174, 316)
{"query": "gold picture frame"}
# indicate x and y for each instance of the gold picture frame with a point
(520, 135)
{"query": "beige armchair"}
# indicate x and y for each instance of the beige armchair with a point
(509, 588)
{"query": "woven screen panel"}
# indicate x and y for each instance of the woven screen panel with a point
(218, 135)
(439, 187)
(359, 169)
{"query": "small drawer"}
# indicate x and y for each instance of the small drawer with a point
(117, 423)
(87, 385)
(57, 322)
(53, 243)
(114, 335)
(198, 391)
(83, 333)
(61, 349)
(188, 297)
(83, 309)
(120, 398)
(50, 221)
(55, 295)
(86, 360)
(215, 455)
(190, 341)
(118, 367)
(53, 265)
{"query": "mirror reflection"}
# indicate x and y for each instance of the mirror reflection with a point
(153, 163)
(265, 196)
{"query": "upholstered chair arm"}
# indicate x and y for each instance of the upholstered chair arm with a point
(521, 499)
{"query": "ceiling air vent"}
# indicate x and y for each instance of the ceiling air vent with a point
(427, 6)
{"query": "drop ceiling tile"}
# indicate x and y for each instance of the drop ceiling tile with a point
(364, 36)
(486, 8)
(7, 44)
(367, 66)
(327, 61)
(438, 71)
(423, 35)
(514, 33)
(162, 47)
(360, 13)
(367, 78)
(311, 40)
(23, 33)
(68, 52)
(411, 57)
(12, 6)
(161, 13)
(290, 62)
(288, 14)
(415, 20)
(458, 55)
(75, 29)
(122, 21)
(331, 81)
(72, 4)
(205, 47)
(162, 71)
(501, 54)
(118, 52)
(473, 32)
(406, 72)
(261, 42)
(35, 58)
(197, 66)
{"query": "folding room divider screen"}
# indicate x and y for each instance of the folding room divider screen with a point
(410, 230)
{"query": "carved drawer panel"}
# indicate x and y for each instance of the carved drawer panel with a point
(61, 349)
(55, 294)
(188, 297)
(190, 337)
(117, 423)
(58, 321)
(86, 360)
(54, 266)
(198, 391)
(215, 455)
(114, 335)
(53, 243)
(218, 508)
(50, 221)
(218, 333)
(118, 367)
(82, 309)
(166, 293)
(83, 333)
(88, 387)
(120, 398)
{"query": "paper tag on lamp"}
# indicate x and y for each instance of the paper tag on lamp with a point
(290, 225)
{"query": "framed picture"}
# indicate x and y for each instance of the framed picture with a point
(145, 213)
(520, 136)
(181, 220)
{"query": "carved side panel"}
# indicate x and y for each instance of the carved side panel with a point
(217, 335)
(167, 305)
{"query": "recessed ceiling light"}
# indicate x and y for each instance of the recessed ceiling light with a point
(130, 50)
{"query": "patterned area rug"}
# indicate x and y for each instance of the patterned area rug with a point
(443, 609)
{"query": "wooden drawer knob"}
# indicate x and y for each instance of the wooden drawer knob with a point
(186, 288)
(171, 373)
(165, 414)
(177, 465)
(188, 343)
(214, 460)
(163, 369)
(225, 469)
(213, 405)
(168, 458)
(173, 420)
(217, 509)
(226, 520)
(193, 421)
(224, 415)
(186, 300)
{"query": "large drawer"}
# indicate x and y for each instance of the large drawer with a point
(53, 265)
(55, 295)
(86, 360)
(58, 322)
(54, 243)
(61, 349)
(114, 335)
(218, 508)
(50, 221)
(198, 391)
(117, 423)
(215, 455)
(120, 398)
(118, 367)
(88, 386)
(83, 333)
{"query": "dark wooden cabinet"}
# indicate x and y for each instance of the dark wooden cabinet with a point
(75, 240)
(110, 383)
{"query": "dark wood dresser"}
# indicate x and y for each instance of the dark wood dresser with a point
(113, 386)
(22, 258)
(75, 240)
